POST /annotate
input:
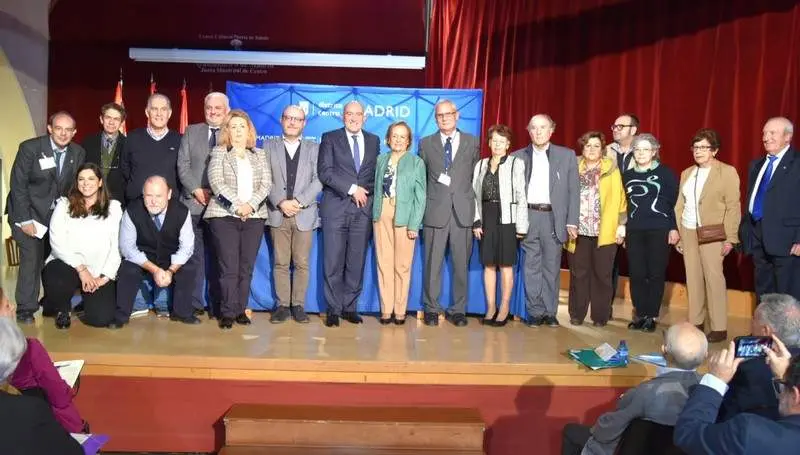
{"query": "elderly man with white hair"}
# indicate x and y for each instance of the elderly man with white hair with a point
(27, 426)
(659, 400)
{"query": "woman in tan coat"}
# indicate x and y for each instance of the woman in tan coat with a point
(708, 196)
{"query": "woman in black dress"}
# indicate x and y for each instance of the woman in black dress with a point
(501, 218)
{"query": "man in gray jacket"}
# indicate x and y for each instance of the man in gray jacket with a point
(658, 400)
(193, 157)
(293, 216)
(551, 175)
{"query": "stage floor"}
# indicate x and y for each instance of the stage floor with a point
(151, 347)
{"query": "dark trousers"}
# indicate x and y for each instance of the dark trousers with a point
(779, 274)
(130, 277)
(573, 437)
(437, 240)
(236, 243)
(648, 255)
(345, 238)
(60, 283)
(32, 253)
(206, 270)
(590, 279)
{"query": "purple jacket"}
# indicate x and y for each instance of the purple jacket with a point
(36, 369)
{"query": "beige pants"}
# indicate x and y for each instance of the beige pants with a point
(394, 252)
(705, 282)
(290, 244)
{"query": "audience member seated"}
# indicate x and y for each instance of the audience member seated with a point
(84, 235)
(750, 389)
(745, 433)
(658, 400)
(27, 426)
(156, 240)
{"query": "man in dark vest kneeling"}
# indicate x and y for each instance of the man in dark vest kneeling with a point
(156, 241)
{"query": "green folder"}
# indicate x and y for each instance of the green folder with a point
(589, 358)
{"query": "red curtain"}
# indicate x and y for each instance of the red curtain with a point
(678, 64)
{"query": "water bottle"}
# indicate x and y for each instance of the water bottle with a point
(622, 352)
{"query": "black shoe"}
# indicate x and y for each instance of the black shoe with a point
(385, 321)
(457, 319)
(490, 321)
(534, 321)
(25, 317)
(399, 321)
(352, 317)
(225, 323)
(431, 319)
(63, 320)
(49, 313)
(281, 314)
(79, 308)
(649, 325)
(299, 314)
(198, 312)
(191, 320)
(115, 324)
(636, 324)
(575, 321)
(550, 321)
(599, 324)
(497, 323)
(242, 319)
(332, 320)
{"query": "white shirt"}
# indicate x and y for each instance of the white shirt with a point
(761, 174)
(244, 179)
(454, 141)
(292, 147)
(157, 137)
(91, 241)
(210, 128)
(691, 194)
(715, 383)
(360, 139)
(539, 184)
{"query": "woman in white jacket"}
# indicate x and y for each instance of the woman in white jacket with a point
(501, 219)
(84, 241)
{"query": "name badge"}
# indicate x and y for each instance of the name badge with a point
(47, 163)
(444, 179)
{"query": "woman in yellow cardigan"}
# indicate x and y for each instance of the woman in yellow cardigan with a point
(601, 227)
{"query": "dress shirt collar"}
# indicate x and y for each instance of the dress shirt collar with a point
(453, 137)
(112, 137)
(298, 139)
(157, 137)
(54, 147)
(779, 155)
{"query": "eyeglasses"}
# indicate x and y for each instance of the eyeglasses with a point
(779, 385)
(700, 148)
(619, 127)
(290, 118)
(637, 149)
(444, 115)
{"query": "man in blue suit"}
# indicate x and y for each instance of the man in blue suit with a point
(696, 432)
(346, 168)
(771, 232)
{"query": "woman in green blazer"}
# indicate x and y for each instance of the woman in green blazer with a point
(397, 217)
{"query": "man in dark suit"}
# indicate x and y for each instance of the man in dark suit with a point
(771, 232)
(346, 169)
(43, 170)
(551, 173)
(658, 400)
(104, 149)
(450, 156)
(193, 158)
(746, 433)
(750, 389)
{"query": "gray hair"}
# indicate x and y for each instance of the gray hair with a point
(353, 102)
(155, 179)
(158, 95)
(650, 139)
(687, 346)
(788, 126)
(12, 346)
(445, 101)
(781, 312)
(544, 116)
(294, 106)
(219, 95)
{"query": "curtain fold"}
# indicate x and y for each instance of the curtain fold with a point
(680, 65)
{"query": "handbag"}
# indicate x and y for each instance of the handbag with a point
(710, 233)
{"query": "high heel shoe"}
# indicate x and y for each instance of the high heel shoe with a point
(498, 323)
(491, 321)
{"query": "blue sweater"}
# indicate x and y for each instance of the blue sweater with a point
(652, 196)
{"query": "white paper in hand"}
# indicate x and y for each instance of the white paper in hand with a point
(41, 229)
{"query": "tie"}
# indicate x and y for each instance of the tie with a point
(157, 222)
(758, 202)
(356, 153)
(448, 154)
(109, 144)
(57, 154)
(212, 140)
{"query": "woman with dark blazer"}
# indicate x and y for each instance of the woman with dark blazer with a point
(240, 179)
(397, 212)
(709, 195)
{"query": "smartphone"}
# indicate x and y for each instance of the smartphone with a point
(751, 346)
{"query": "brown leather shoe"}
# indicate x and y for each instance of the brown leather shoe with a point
(717, 336)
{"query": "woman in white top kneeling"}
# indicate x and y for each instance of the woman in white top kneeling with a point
(84, 236)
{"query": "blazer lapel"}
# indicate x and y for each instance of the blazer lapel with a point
(48, 152)
(554, 161)
(714, 176)
(344, 140)
(779, 173)
(279, 152)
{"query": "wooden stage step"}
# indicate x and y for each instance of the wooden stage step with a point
(410, 428)
(282, 450)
